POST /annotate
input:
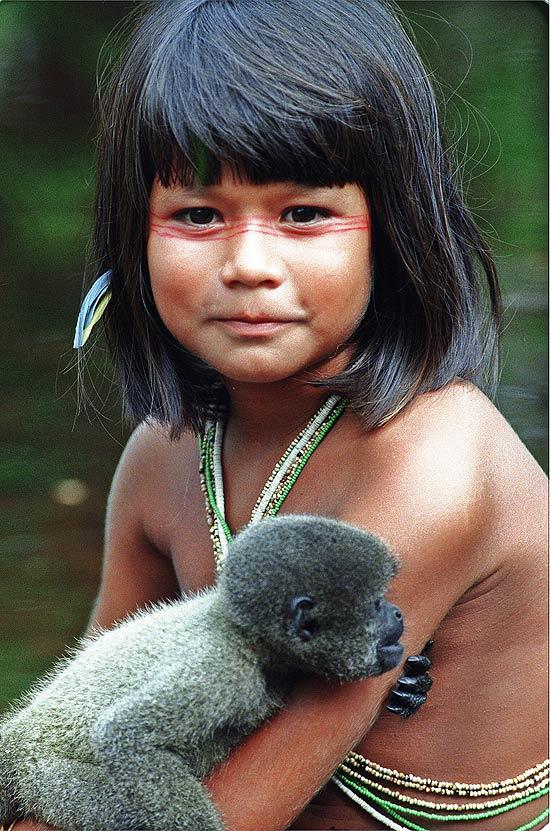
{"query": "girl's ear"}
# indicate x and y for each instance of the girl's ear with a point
(301, 622)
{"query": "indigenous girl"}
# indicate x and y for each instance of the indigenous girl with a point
(298, 324)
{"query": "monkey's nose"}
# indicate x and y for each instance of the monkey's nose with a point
(389, 649)
(392, 621)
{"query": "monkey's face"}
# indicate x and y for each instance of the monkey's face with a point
(310, 590)
(346, 643)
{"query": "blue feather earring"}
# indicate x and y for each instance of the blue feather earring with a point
(93, 306)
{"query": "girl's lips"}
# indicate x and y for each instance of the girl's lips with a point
(251, 328)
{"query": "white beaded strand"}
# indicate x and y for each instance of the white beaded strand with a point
(307, 433)
(218, 487)
(280, 470)
(386, 821)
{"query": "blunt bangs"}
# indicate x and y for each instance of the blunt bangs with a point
(318, 93)
(231, 87)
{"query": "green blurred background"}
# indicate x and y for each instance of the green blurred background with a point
(489, 64)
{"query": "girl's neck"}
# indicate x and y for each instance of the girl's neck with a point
(273, 414)
(269, 413)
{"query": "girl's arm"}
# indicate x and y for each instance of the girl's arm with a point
(134, 572)
(271, 777)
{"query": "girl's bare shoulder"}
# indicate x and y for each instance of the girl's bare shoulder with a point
(153, 465)
(150, 451)
(453, 437)
(144, 516)
(465, 435)
(449, 469)
(154, 476)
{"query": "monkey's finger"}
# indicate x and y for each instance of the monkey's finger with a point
(417, 665)
(399, 710)
(414, 683)
(405, 704)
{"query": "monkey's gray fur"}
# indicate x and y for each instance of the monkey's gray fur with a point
(120, 734)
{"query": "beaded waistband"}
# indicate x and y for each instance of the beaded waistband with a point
(364, 780)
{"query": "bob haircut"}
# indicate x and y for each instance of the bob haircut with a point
(322, 94)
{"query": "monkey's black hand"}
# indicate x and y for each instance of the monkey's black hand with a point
(411, 691)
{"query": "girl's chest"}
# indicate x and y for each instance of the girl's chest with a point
(177, 519)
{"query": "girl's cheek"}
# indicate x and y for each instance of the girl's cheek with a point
(156, 254)
(170, 263)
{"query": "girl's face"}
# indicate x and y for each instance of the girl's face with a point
(261, 281)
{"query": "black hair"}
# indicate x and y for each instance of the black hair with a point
(321, 93)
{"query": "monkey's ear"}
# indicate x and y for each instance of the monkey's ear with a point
(302, 623)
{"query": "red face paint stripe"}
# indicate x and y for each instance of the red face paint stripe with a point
(215, 236)
(232, 229)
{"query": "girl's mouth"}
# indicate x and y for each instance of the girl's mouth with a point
(254, 328)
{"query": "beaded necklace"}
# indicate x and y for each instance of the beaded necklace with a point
(279, 483)
(357, 776)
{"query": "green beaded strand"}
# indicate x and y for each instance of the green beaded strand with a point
(528, 825)
(315, 444)
(208, 450)
(492, 812)
(396, 810)
(288, 487)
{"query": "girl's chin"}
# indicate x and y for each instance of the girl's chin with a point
(257, 369)
(266, 376)
(272, 375)
(266, 369)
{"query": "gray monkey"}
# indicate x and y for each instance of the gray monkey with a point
(119, 735)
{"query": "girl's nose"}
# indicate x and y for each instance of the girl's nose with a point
(252, 259)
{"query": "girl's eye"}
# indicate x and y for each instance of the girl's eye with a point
(198, 216)
(304, 214)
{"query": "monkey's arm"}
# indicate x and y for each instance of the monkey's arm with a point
(157, 742)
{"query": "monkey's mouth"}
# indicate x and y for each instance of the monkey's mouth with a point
(389, 655)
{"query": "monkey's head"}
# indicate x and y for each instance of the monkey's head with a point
(310, 590)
